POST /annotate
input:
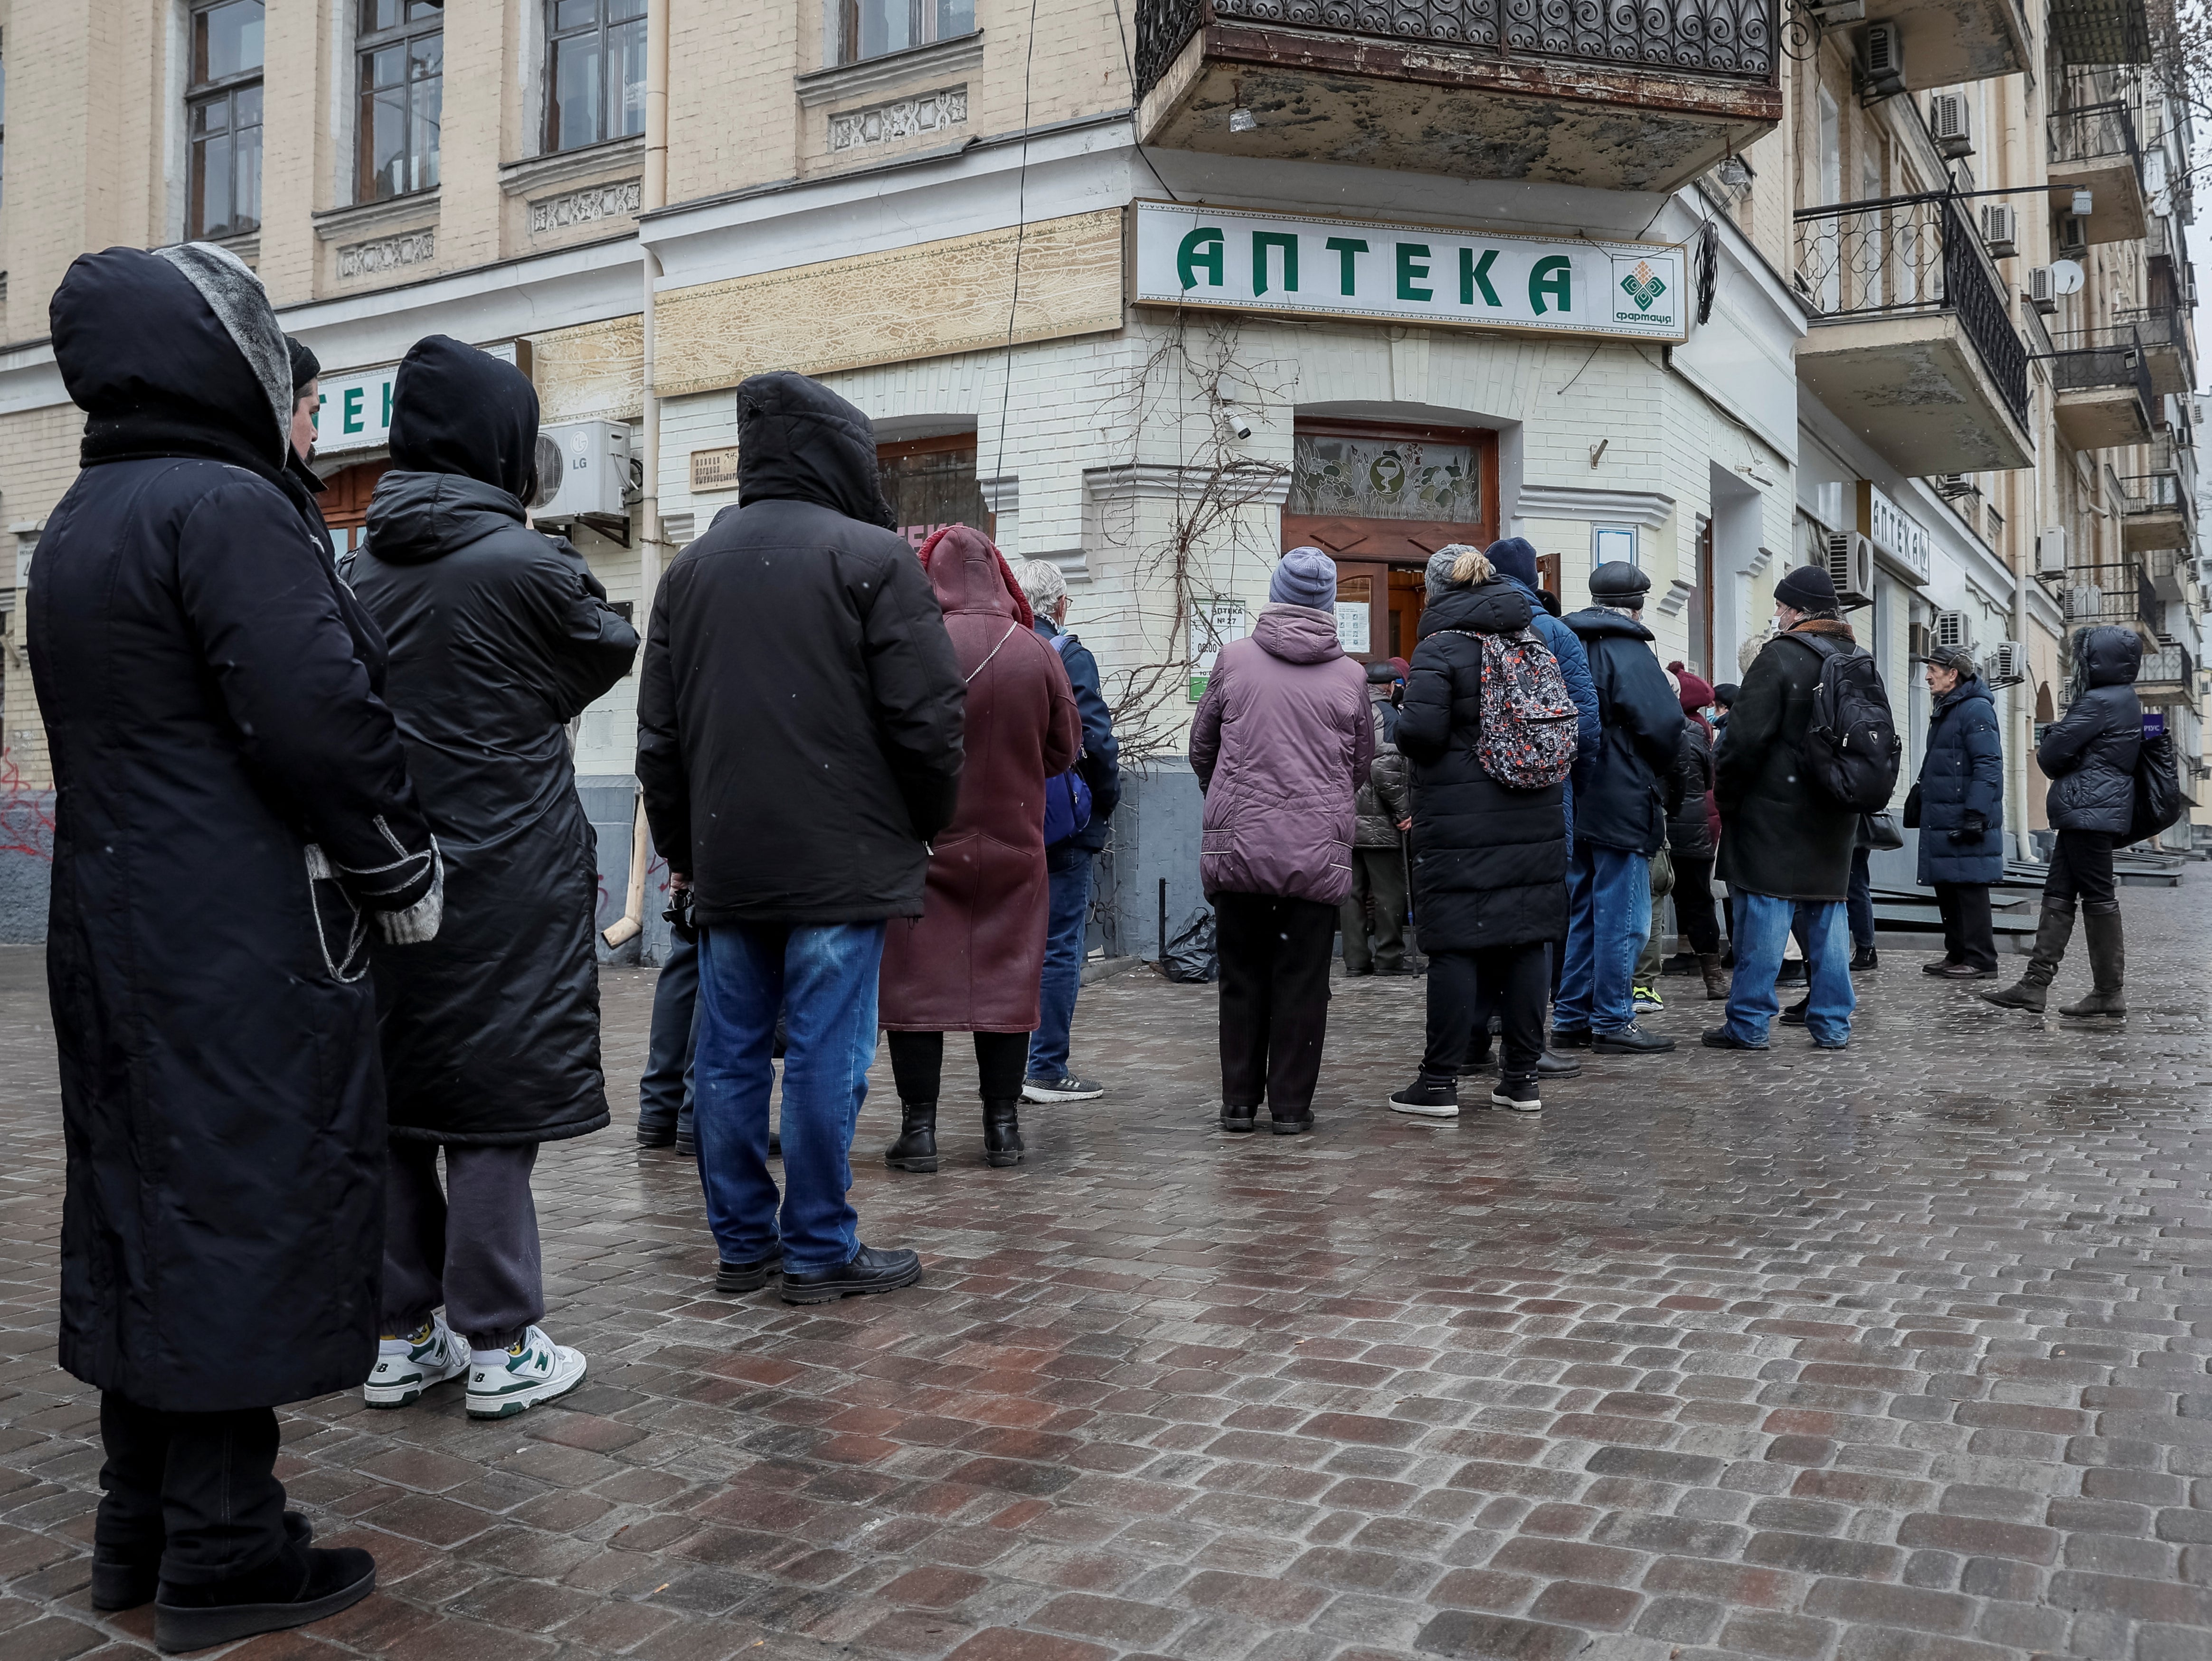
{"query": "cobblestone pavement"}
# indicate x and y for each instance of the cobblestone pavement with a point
(1898, 1355)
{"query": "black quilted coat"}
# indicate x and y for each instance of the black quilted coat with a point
(2089, 754)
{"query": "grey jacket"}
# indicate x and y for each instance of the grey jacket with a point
(1386, 800)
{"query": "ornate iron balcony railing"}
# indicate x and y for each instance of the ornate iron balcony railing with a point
(2093, 132)
(1732, 40)
(2116, 358)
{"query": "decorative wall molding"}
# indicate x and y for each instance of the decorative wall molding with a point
(1676, 597)
(388, 253)
(872, 74)
(1759, 562)
(582, 206)
(1646, 508)
(902, 117)
(1156, 479)
(521, 177)
(359, 219)
(1002, 495)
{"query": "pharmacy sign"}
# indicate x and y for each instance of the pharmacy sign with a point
(1190, 255)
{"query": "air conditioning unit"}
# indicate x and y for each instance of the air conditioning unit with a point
(1851, 567)
(2006, 665)
(2001, 230)
(2084, 602)
(2050, 551)
(1885, 58)
(1952, 486)
(2042, 289)
(1918, 641)
(583, 473)
(1952, 632)
(1828, 15)
(2072, 235)
(1948, 125)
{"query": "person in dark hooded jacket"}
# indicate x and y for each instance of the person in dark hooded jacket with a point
(1959, 807)
(499, 637)
(2089, 756)
(307, 398)
(800, 723)
(234, 818)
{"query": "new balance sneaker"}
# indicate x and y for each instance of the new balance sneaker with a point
(1647, 998)
(533, 1369)
(1062, 1087)
(421, 1360)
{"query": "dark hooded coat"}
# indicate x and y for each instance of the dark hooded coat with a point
(211, 694)
(1785, 836)
(799, 709)
(1962, 775)
(1620, 791)
(2089, 752)
(1490, 862)
(974, 960)
(499, 637)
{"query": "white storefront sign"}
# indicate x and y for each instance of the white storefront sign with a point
(1188, 254)
(1892, 530)
(355, 413)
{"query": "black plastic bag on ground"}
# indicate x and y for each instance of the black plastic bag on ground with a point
(2158, 788)
(1190, 954)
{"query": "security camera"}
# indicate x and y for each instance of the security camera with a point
(1234, 425)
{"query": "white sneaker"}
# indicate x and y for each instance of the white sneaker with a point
(407, 1366)
(536, 1369)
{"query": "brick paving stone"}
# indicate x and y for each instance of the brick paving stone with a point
(1895, 1354)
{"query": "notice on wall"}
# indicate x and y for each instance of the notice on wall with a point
(714, 470)
(1187, 254)
(1213, 623)
(1354, 630)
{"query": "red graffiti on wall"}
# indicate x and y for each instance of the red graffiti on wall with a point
(27, 819)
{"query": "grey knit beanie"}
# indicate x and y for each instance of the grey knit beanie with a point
(1438, 576)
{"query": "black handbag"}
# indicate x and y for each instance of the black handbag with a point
(1882, 833)
(2158, 788)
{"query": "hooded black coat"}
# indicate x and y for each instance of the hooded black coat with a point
(1620, 792)
(1963, 774)
(1490, 862)
(800, 711)
(499, 637)
(1780, 833)
(210, 695)
(2089, 752)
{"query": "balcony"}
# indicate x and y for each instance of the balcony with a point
(1910, 342)
(2094, 148)
(2158, 515)
(2114, 597)
(1949, 42)
(1613, 95)
(2173, 574)
(2102, 380)
(2168, 674)
(2164, 333)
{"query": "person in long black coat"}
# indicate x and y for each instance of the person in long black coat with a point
(1490, 861)
(234, 818)
(499, 637)
(1958, 805)
(2089, 754)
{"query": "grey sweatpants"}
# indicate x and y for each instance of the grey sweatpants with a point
(472, 1247)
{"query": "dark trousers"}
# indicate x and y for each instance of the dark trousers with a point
(1968, 935)
(1858, 901)
(1466, 988)
(199, 1490)
(2081, 869)
(472, 1247)
(918, 1064)
(1275, 999)
(1694, 916)
(1377, 905)
(664, 1093)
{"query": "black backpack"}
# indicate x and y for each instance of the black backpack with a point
(1851, 749)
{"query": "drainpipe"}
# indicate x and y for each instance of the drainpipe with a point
(654, 193)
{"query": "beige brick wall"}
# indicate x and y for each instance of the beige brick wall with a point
(38, 461)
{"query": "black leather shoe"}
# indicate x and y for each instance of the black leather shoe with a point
(302, 1583)
(655, 1136)
(1002, 1131)
(916, 1147)
(1864, 958)
(869, 1271)
(1283, 1127)
(1480, 1061)
(1631, 1040)
(1795, 1015)
(747, 1277)
(120, 1582)
(1238, 1120)
(1938, 966)
(1549, 1066)
(1571, 1037)
(1965, 972)
(1719, 1038)
(687, 1145)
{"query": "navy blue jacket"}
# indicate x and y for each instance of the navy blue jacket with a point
(2089, 754)
(1963, 776)
(1619, 798)
(1099, 765)
(1574, 669)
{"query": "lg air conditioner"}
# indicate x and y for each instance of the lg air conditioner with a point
(1885, 58)
(583, 471)
(2001, 230)
(2083, 602)
(2007, 664)
(1850, 560)
(1948, 125)
(2050, 551)
(1952, 632)
(2042, 289)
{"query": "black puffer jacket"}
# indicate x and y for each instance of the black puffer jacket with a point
(1781, 834)
(1490, 862)
(499, 637)
(1619, 791)
(211, 694)
(2089, 754)
(1689, 826)
(799, 712)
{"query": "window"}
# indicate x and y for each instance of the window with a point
(222, 116)
(931, 483)
(869, 28)
(402, 51)
(595, 66)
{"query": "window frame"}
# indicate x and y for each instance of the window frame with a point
(201, 95)
(926, 20)
(367, 42)
(549, 138)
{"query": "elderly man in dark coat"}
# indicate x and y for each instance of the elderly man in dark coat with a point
(2089, 754)
(235, 819)
(1959, 807)
(1787, 842)
(499, 637)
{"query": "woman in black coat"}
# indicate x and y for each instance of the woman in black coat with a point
(234, 817)
(499, 637)
(1959, 807)
(2089, 756)
(1490, 862)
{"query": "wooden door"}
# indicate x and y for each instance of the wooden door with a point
(344, 502)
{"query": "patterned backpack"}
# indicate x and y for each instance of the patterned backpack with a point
(1530, 723)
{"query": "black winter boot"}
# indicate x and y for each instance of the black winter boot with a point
(916, 1147)
(2051, 934)
(1002, 1131)
(302, 1583)
(2108, 965)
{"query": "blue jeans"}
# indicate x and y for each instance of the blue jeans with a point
(824, 981)
(1609, 918)
(664, 1093)
(1066, 923)
(1762, 931)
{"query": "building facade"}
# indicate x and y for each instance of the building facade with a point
(1156, 290)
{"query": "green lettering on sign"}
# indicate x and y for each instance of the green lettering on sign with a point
(1346, 248)
(1554, 277)
(350, 410)
(317, 417)
(1263, 241)
(387, 403)
(1200, 252)
(1413, 265)
(1476, 274)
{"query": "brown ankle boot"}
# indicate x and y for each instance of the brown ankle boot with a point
(1717, 978)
